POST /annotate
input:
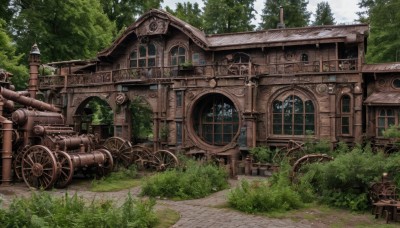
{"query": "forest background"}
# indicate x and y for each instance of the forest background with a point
(78, 29)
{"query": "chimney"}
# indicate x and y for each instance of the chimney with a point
(34, 63)
(281, 23)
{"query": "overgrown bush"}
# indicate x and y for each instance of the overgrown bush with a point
(43, 210)
(195, 180)
(257, 196)
(262, 154)
(344, 182)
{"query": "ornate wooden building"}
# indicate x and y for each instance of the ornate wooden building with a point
(226, 93)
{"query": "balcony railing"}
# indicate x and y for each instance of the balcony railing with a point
(311, 67)
(218, 70)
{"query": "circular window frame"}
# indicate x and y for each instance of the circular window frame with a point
(194, 137)
(393, 83)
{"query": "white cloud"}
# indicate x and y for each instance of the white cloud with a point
(344, 10)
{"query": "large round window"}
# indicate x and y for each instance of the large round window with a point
(396, 83)
(216, 120)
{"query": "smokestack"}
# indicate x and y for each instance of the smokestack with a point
(281, 23)
(34, 63)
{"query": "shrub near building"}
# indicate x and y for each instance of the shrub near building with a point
(194, 181)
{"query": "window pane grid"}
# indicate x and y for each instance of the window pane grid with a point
(292, 116)
(385, 119)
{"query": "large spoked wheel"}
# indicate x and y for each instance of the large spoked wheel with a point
(163, 160)
(141, 156)
(121, 151)
(66, 169)
(17, 163)
(39, 167)
(295, 151)
(307, 159)
(108, 164)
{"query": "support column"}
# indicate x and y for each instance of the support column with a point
(358, 113)
(332, 113)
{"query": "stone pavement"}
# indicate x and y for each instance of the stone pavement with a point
(199, 213)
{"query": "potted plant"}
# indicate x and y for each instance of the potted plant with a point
(262, 156)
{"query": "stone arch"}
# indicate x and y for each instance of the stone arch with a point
(83, 117)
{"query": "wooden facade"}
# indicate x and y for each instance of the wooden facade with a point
(222, 94)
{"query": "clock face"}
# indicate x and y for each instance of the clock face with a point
(153, 26)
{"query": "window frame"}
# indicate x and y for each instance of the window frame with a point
(386, 124)
(346, 115)
(179, 56)
(138, 58)
(208, 130)
(291, 110)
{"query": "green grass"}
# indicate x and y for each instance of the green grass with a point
(116, 181)
(166, 217)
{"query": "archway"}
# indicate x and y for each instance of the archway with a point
(94, 116)
(142, 121)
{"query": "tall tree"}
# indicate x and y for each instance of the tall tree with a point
(11, 62)
(6, 12)
(188, 12)
(62, 29)
(125, 12)
(225, 16)
(365, 6)
(384, 40)
(323, 14)
(295, 13)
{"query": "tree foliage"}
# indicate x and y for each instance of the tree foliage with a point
(11, 62)
(188, 12)
(62, 29)
(295, 13)
(324, 15)
(226, 16)
(124, 12)
(384, 41)
(142, 121)
(6, 12)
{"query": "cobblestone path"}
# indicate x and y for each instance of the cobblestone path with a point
(200, 213)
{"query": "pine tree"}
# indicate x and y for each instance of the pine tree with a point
(384, 40)
(188, 12)
(226, 16)
(323, 14)
(295, 13)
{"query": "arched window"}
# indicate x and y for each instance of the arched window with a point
(345, 115)
(293, 116)
(241, 58)
(144, 57)
(386, 118)
(178, 55)
(216, 120)
(304, 57)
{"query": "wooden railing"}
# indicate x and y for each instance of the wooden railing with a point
(217, 70)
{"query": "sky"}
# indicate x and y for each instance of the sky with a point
(344, 11)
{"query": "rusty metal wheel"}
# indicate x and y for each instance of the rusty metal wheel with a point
(295, 151)
(308, 159)
(121, 151)
(66, 167)
(141, 156)
(108, 164)
(17, 163)
(39, 167)
(163, 160)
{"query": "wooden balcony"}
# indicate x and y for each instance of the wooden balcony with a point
(176, 72)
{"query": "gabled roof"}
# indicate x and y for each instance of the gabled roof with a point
(267, 38)
(195, 34)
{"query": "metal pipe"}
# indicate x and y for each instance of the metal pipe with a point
(27, 101)
(7, 152)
